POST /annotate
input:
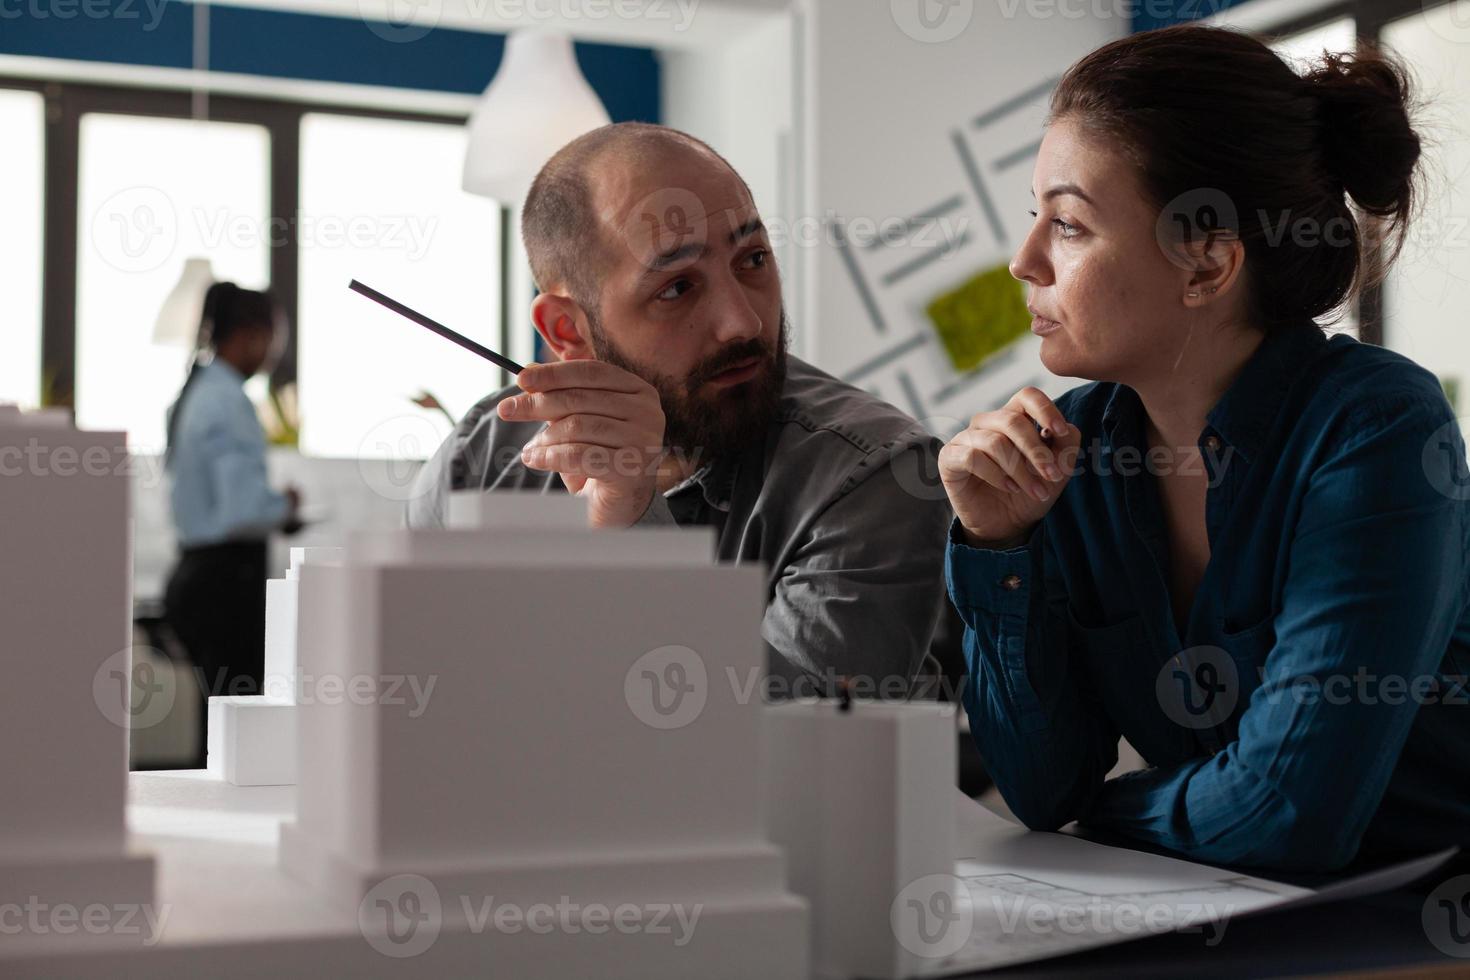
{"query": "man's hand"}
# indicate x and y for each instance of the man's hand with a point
(292, 523)
(606, 436)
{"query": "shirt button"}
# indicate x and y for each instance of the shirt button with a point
(1011, 583)
(1212, 443)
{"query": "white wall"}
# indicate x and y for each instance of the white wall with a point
(890, 110)
(738, 98)
(846, 116)
(843, 116)
(1428, 294)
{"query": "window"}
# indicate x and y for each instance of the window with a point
(381, 202)
(1300, 49)
(22, 120)
(1303, 47)
(1428, 290)
(151, 193)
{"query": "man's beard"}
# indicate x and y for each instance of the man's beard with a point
(700, 425)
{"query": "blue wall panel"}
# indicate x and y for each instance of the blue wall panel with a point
(307, 46)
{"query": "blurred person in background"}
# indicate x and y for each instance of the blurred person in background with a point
(222, 504)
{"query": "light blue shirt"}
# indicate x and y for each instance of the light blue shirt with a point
(219, 488)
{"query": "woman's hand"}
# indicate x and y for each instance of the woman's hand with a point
(1002, 476)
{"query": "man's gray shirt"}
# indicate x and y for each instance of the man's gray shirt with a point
(840, 502)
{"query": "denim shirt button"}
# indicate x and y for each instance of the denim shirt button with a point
(1212, 443)
(1011, 583)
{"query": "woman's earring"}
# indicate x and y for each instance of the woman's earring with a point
(1192, 295)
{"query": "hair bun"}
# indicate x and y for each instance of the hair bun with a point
(1367, 136)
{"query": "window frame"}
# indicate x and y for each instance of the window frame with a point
(39, 88)
(1370, 17)
(67, 102)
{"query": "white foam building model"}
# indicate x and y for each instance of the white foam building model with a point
(66, 606)
(524, 712)
(862, 802)
(252, 738)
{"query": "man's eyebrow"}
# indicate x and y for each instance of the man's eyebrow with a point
(675, 256)
(746, 230)
(694, 250)
(1061, 189)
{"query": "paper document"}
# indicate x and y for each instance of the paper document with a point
(1018, 896)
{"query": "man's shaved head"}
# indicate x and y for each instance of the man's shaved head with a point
(560, 221)
(651, 256)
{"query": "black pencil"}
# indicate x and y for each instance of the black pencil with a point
(499, 360)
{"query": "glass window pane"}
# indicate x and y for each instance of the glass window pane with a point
(1301, 50)
(23, 133)
(381, 202)
(1306, 46)
(152, 193)
(1428, 291)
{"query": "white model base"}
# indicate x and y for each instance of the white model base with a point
(71, 687)
(252, 741)
(227, 909)
(91, 903)
(113, 880)
(862, 801)
(754, 875)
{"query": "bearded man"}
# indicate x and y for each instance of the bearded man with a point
(672, 400)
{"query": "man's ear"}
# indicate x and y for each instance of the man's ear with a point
(563, 326)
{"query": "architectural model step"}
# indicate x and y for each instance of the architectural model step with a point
(542, 730)
(252, 739)
(66, 702)
(861, 800)
(280, 620)
(545, 548)
(512, 511)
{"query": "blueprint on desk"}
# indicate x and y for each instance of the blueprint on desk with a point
(1017, 896)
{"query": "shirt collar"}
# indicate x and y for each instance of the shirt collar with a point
(225, 369)
(1244, 415)
(716, 481)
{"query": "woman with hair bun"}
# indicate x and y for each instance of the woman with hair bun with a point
(223, 507)
(1243, 546)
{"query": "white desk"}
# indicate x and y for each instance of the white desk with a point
(226, 910)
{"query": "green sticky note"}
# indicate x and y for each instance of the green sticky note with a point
(982, 317)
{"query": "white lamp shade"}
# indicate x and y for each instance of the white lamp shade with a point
(538, 102)
(178, 320)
